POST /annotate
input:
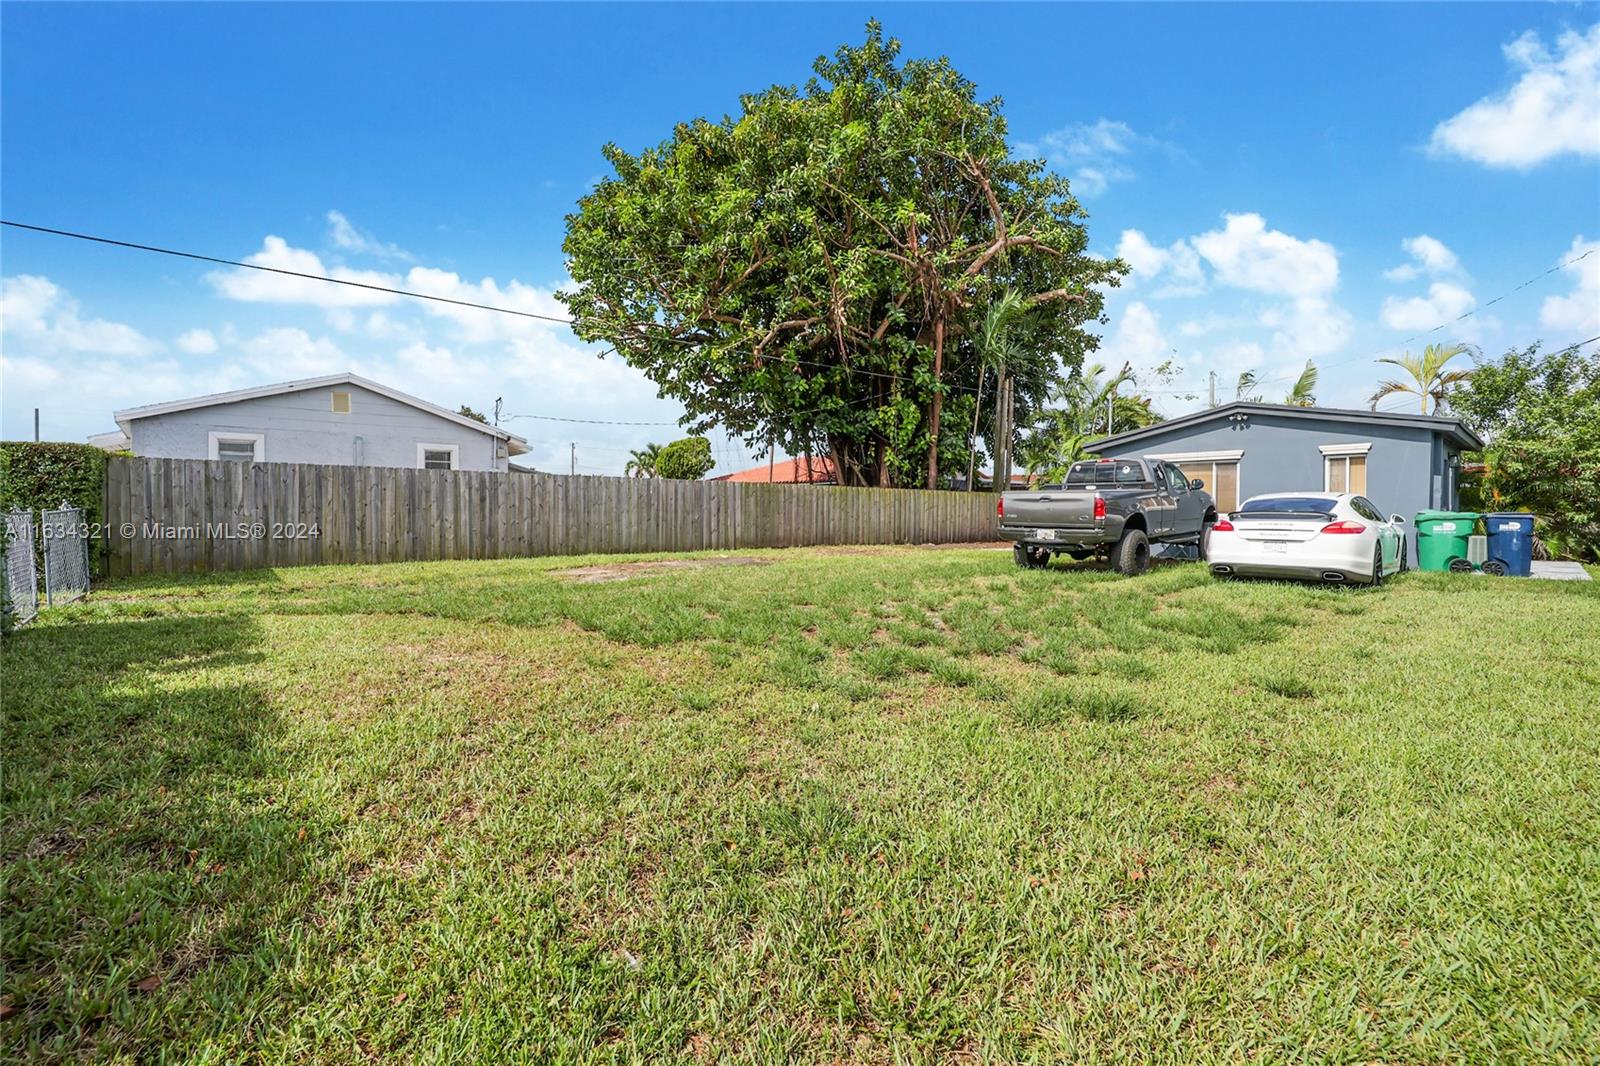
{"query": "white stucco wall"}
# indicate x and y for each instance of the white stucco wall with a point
(300, 427)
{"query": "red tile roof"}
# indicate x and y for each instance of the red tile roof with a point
(787, 472)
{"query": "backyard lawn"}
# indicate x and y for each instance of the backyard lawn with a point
(858, 805)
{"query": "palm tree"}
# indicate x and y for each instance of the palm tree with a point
(1241, 391)
(1429, 379)
(643, 463)
(996, 345)
(1093, 403)
(1304, 392)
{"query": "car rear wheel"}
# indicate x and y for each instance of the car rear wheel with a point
(1377, 566)
(1132, 556)
(1205, 537)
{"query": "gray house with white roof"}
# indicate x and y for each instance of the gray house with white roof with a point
(1403, 463)
(341, 419)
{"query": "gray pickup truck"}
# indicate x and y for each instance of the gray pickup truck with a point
(1108, 506)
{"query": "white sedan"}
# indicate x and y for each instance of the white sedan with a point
(1312, 536)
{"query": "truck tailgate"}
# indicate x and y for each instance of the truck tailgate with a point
(1050, 510)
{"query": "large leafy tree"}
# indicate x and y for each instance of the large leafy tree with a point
(811, 273)
(1540, 415)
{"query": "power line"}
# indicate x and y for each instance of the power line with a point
(1444, 325)
(199, 257)
(587, 421)
(288, 273)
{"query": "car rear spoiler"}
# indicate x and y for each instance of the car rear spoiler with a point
(1325, 516)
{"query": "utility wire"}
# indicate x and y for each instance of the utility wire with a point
(1443, 325)
(953, 389)
(289, 273)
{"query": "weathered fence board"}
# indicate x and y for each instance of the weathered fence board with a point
(176, 515)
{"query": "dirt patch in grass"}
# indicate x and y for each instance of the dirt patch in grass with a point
(585, 575)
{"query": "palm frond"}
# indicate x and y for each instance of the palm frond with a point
(1304, 392)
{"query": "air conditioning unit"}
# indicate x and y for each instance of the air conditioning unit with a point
(1477, 551)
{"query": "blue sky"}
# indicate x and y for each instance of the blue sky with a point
(1287, 181)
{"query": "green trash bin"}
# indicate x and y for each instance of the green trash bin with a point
(1442, 540)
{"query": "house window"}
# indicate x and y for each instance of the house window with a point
(1344, 467)
(1218, 473)
(438, 456)
(237, 447)
(341, 403)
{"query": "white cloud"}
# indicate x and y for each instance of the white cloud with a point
(1551, 111)
(255, 286)
(478, 325)
(1095, 154)
(1248, 255)
(1446, 301)
(1429, 256)
(288, 352)
(1137, 339)
(1307, 327)
(1178, 261)
(344, 235)
(197, 342)
(1578, 312)
(44, 320)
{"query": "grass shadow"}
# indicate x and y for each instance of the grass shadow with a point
(147, 848)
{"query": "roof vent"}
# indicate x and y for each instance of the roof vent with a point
(341, 403)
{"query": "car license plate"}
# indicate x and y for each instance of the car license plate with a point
(1044, 534)
(1275, 546)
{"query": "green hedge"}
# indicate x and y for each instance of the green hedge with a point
(40, 476)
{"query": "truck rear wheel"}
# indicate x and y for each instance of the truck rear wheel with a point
(1132, 554)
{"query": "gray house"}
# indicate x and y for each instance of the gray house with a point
(1403, 463)
(341, 419)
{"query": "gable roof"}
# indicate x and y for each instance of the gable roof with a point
(1452, 428)
(515, 445)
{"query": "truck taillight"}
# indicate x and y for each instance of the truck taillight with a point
(1099, 507)
(999, 506)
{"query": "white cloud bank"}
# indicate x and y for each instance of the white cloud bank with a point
(197, 342)
(1552, 110)
(1446, 301)
(46, 321)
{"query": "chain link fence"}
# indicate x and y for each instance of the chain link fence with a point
(66, 554)
(22, 580)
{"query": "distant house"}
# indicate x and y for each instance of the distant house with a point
(113, 441)
(341, 419)
(786, 472)
(1402, 463)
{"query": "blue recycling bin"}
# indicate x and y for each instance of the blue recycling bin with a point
(1510, 537)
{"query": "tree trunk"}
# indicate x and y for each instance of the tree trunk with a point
(938, 397)
(972, 438)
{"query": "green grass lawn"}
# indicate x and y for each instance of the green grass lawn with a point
(871, 806)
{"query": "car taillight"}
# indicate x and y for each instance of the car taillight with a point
(1344, 527)
(1000, 507)
(1222, 526)
(1099, 507)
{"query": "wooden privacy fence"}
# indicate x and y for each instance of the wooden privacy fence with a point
(175, 515)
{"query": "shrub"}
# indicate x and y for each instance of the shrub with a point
(688, 459)
(40, 476)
